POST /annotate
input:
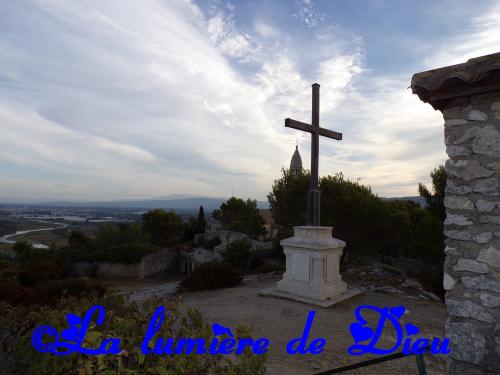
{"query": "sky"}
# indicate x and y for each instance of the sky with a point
(134, 99)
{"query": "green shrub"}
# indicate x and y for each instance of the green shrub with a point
(211, 275)
(123, 320)
(127, 253)
(212, 243)
(238, 253)
(48, 293)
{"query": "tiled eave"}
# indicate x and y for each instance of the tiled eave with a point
(477, 76)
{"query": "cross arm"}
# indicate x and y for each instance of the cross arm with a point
(289, 123)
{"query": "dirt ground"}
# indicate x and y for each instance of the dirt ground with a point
(281, 320)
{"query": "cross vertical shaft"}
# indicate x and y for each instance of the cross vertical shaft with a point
(313, 195)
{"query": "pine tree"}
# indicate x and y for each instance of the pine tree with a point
(200, 222)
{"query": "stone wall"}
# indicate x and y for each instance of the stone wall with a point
(472, 230)
(162, 263)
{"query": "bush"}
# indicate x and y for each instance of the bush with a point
(211, 275)
(212, 243)
(123, 320)
(128, 253)
(238, 253)
(48, 293)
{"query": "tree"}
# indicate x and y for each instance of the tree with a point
(164, 228)
(435, 199)
(200, 222)
(242, 216)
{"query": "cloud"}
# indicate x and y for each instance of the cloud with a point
(106, 99)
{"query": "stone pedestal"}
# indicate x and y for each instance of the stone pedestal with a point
(312, 268)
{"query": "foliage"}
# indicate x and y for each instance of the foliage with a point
(189, 230)
(127, 253)
(123, 320)
(211, 275)
(211, 243)
(164, 228)
(7, 227)
(367, 223)
(48, 293)
(241, 216)
(78, 239)
(110, 235)
(200, 222)
(238, 253)
(435, 199)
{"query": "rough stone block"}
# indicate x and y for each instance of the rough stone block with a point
(487, 142)
(486, 186)
(460, 235)
(452, 219)
(489, 300)
(471, 266)
(448, 281)
(467, 342)
(458, 203)
(490, 256)
(468, 309)
(467, 170)
(457, 189)
(475, 115)
(481, 282)
(485, 206)
(484, 237)
(455, 122)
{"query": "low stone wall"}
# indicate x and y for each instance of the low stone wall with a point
(111, 270)
(162, 263)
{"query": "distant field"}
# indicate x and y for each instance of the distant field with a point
(46, 237)
(27, 224)
(6, 250)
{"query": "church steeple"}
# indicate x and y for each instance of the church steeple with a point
(296, 162)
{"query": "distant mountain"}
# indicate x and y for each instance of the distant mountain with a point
(417, 199)
(191, 203)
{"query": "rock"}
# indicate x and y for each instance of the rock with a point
(489, 219)
(458, 203)
(455, 122)
(497, 233)
(494, 106)
(487, 142)
(489, 300)
(458, 235)
(469, 133)
(467, 169)
(485, 206)
(454, 151)
(451, 251)
(475, 115)
(457, 220)
(488, 185)
(468, 309)
(453, 112)
(467, 342)
(490, 256)
(483, 237)
(457, 189)
(471, 266)
(481, 282)
(494, 165)
(448, 282)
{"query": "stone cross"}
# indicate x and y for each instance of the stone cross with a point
(313, 195)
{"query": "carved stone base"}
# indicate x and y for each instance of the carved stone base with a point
(312, 268)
